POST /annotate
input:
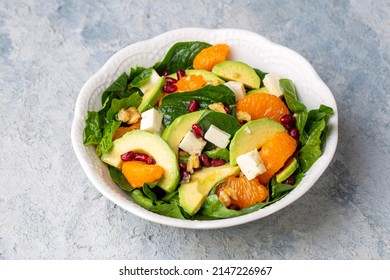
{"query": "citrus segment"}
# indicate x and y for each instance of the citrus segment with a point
(242, 192)
(137, 173)
(208, 57)
(122, 130)
(263, 105)
(275, 153)
(190, 83)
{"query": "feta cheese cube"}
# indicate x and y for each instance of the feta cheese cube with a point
(238, 89)
(271, 82)
(151, 121)
(251, 164)
(152, 80)
(191, 144)
(217, 136)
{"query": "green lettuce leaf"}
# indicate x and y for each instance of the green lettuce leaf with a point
(92, 130)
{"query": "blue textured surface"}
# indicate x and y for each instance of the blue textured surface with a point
(49, 209)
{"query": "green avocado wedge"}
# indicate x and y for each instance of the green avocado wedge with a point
(152, 95)
(151, 144)
(253, 135)
(175, 132)
(289, 168)
(193, 194)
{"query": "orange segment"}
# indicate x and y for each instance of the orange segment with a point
(122, 130)
(263, 105)
(243, 192)
(208, 57)
(137, 173)
(274, 154)
(189, 83)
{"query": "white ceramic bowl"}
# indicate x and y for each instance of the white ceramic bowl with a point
(246, 47)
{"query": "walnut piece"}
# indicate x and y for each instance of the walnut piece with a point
(217, 107)
(129, 116)
(193, 163)
(243, 116)
(224, 198)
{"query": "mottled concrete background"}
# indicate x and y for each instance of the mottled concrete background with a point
(49, 209)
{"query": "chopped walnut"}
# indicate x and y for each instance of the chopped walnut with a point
(193, 163)
(231, 193)
(217, 107)
(224, 198)
(129, 116)
(243, 116)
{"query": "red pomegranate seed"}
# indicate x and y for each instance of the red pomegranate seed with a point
(180, 73)
(193, 106)
(169, 88)
(227, 109)
(290, 180)
(183, 166)
(233, 206)
(150, 160)
(294, 133)
(165, 73)
(205, 160)
(129, 156)
(198, 131)
(217, 162)
(170, 81)
(185, 176)
(287, 120)
(141, 157)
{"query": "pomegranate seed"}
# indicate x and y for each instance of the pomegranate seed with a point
(182, 166)
(185, 176)
(165, 73)
(170, 81)
(141, 157)
(150, 160)
(287, 120)
(205, 160)
(129, 156)
(169, 88)
(290, 180)
(193, 106)
(217, 162)
(180, 73)
(294, 133)
(233, 206)
(227, 109)
(198, 131)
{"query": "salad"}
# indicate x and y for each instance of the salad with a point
(199, 136)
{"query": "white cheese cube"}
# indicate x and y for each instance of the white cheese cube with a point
(191, 144)
(154, 78)
(217, 136)
(271, 82)
(151, 121)
(251, 164)
(238, 89)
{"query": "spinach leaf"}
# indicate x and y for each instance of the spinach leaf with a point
(92, 130)
(261, 75)
(180, 55)
(134, 72)
(142, 78)
(218, 153)
(176, 104)
(106, 142)
(225, 122)
(116, 88)
(141, 200)
(133, 100)
(118, 177)
(295, 106)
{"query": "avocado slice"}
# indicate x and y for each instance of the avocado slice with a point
(237, 71)
(253, 135)
(151, 144)
(260, 90)
(289, 168)
(209, 77)
(175, 132)
(193, 194)
(152, 95)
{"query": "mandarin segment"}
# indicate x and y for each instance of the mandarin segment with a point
(190, 83)
(122, 130)
(241, 192)
(263, 105)
(137, 173)
(275, 153)
(208, 57)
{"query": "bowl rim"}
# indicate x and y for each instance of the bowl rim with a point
(112, 65)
